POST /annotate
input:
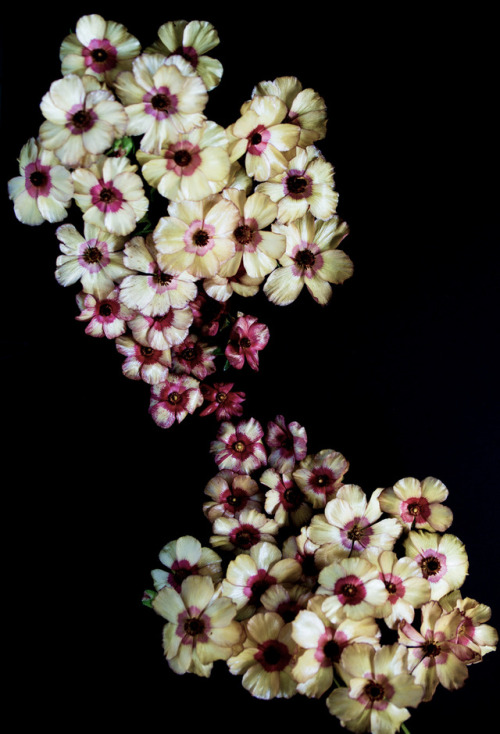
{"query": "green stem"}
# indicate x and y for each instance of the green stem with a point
(405, 729)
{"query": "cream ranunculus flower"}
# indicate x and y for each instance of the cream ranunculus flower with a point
(442, 559)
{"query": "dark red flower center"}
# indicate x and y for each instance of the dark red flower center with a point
(81, 119)
(430, 566)
(174, 398)
(194, 626)
(332, 651)
(374, 691)
(305, 258)
(255, 139)
(297, 184)
(107, 195)
(99, 54)
(273, 655)
(92, 255)
(243, 234)
(200, 238)
(221, 397)
(182, 157)
(161, 102)
(188, 354)
(38, 178)
(105, 309)
(162, 278)
(239, 446)
(245, 342)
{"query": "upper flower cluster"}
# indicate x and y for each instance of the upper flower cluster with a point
(326, 591)
(239, 208)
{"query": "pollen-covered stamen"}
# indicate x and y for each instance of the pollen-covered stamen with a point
(297, 184)
(161, 102)
(200, 238)
(430, 649)
(174, 398)
(182, 157)
(239, 446)
(355, 533)
(374, 691)
(430, 566)
(243, 234)
(162, 278)
(188, 354)
(38, 178)
(99, 55)
(221, 397)
(107, 195)
(391, 587)
(147, 351)
(349, 590)
(105, 309)
(92, 255)
(414, 509)
(321, 479)
(305, 259)
(194, 626)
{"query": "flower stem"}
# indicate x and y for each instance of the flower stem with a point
(405, 729)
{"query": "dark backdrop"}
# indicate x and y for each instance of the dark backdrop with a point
(398, 372)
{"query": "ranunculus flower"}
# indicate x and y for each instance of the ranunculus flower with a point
(247, 338)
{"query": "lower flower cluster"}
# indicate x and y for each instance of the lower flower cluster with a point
(320, 590)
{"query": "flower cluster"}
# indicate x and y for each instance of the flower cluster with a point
(238, 208)
(320, 589)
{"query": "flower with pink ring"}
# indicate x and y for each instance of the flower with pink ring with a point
(442, 559)
(191, 40)
(163, 330)
(200, 625)
(231, 493)
(311, 260)
(222, 400)
(111, 195)
(377, 689)
(194, 357)
(251, 574)
(162, 97)
(418, 504)
(434, 656)
(322, 643)
(403, 580)
(284, 500)
(246, 339)
(351, 524)
(148, 289)
(44, 189)
(306, 186)
(320, 475)
(96, 259)
(101, 48)
(472, 630)
(185, 557)
(81, 119)
(352, 589)
(143, 363)
(173, 399)
(267, 658)
(190, 166)
(244, 530)
(288, 444)
(196, 236)
(107, 316)
(239, 448)
(262, 136)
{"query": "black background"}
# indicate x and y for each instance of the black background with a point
(399, 372)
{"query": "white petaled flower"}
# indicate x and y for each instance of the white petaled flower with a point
(230, 493)
(162, 97)
(101, 48)
(311, 259)
(250, 574)
(173, 399)
(191, 40)
(163, 330)
(82, 119)
(406, 588)
(351, 524)
(243, 531)
(262, 136)
(378, 689)
(221, 288)
(418, 504)
(306, 108)
(149, 289)
(267, 658)
(200, 625)
(44, 190)
(442, 559)
(111, 195)
(322, 643)
(305, 186)
(472, 630)
(190, 166)
(186, 557)
(256, 248)
(284, 500)
(286, 599)
(320, 475)
(107, 316)
(143, 362)
(96, 258)
(194, 357)
(352, 589)
(196, 236)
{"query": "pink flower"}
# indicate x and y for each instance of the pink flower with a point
(207, 314)
(107, 316)
(319, 476)
(231, 493)
(173, 399)
(194, 357)
(246, 339)
(239, 447)
(288, 444)
(143, 362)
(222, 401)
